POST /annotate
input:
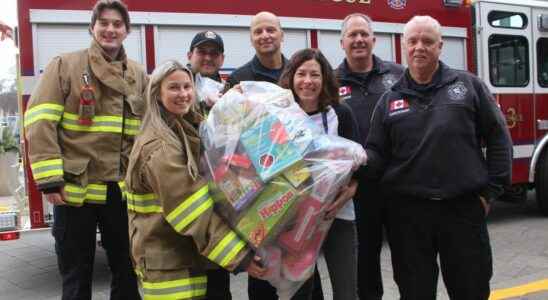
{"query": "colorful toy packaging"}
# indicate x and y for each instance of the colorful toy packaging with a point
(272, 174)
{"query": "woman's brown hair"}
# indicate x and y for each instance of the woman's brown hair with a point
(330, 88)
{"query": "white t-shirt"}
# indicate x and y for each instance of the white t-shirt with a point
(347, 211)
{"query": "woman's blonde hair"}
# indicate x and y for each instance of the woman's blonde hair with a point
(155, 114)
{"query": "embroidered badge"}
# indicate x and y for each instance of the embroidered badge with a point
(388, 80)
(457, 91)
(210, 35)
(397, 4)
(397, 107)
(345, 90)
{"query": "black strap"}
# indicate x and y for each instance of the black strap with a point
(324, 121)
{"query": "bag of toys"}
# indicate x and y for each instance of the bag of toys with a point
(273, 172)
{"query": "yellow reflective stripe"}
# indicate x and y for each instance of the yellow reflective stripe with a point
(122, 185)
(188, 288)
(74, 188)
(93, 193)
(111, 124)
(95, 186)
(174, 283)
(143, 203)
(46, 111)
(141, 197)
(227, 249)
(202, 191)
(232, 254)
(131, 126)
(92, 128)
(51, 106)
(47, 174)
(46, 163)
(133, 122)
(47, 168)
(190, 209)
(194, 215)
(75, 117)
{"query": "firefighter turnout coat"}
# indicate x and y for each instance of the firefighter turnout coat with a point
(174, 232)
(81, 158)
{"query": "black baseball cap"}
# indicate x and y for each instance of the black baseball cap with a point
(207, 36)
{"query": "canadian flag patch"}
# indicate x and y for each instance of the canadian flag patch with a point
(345, 90)
(399, 104)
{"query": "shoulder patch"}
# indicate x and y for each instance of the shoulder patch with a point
(398, 106)
(457, 91)
(388, 80)
(345, 90)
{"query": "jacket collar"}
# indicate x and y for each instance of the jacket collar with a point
(258, 68)
(345, 74)
(403, 85)
(113, 74)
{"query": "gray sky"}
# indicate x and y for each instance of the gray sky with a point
(8, 14)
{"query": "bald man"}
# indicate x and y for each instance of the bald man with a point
(426, 139)
(266, 36)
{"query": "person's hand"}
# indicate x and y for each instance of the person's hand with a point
(485, 204)
(238, 88)
(255, 268)
(346, 193)
(210, 101)
(360, 159)
(56, 198)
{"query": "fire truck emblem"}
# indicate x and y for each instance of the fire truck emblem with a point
(512, 117)
(388, 80)
(397, 4)
(457, 91)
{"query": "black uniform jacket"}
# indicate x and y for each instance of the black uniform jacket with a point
(253, 71)
(362, 95)
(429, 144)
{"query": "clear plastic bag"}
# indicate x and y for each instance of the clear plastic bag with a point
(207, 89)
(273, 172)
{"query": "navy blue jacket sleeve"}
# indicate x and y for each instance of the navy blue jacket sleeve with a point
(494, 133)
(377, 145)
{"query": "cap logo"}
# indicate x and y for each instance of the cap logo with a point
(210, 35)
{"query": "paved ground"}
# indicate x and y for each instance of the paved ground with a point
(519, 237)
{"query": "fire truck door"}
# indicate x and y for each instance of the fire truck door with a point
(505, 63)
(540, 71)
(539, 162)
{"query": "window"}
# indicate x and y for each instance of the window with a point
(542, 59)
(506, 19)
(508, 60)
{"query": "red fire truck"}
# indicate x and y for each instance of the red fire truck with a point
(505, 42)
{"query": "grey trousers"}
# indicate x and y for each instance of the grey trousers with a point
(340, 251)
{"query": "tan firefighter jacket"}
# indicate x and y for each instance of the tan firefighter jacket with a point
(82, 158)
(172, 225)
